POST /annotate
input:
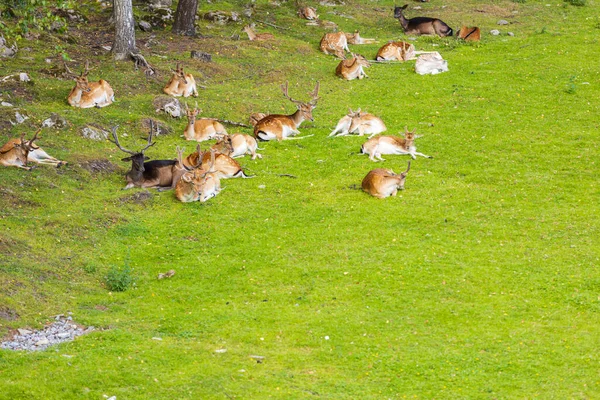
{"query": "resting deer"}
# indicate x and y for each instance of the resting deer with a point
(469, 34)
(379, 145)
(87, 94)
(257, 36)
(400, 51)
(334, 43)
(181, 84)
(352, 68)
(15, 152)
(354, 38)
(309, 13)
(150, 174)
(237, 145)
(382, 183)
(255, 117)
(201, 129)
(279, 127)
(361, 122)
(198, 184)
(224, 166)
(422, 25)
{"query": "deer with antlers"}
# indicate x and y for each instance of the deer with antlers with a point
(334, 43)
(379, 145)
(359, 122)
(198, 184)
(352, 68)
(223, 165)
(382, 183)
(15, 152)
(146, 174)
(87, 94)
(201, 129)
(280, 127)
(237, 145)
(181, 84)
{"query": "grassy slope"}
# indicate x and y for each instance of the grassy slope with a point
(478, 281)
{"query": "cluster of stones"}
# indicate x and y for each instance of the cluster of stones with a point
(62, 330)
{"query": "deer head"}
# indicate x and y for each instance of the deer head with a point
(137, 158)
(179, 74)
(80, 80)
(305, 108)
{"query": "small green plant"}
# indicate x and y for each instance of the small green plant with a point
(119, 279)
(29, 14)
(571, 86)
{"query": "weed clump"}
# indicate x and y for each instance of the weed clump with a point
(119, 279)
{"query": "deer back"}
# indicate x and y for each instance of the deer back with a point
(224, 166)
(422, 25)
(334, 43)
(469, 34)
(14, 153)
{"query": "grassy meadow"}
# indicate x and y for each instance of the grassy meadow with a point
(479, 281)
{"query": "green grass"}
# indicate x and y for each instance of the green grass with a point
(479, 281)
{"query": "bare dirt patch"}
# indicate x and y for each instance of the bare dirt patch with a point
(8, 314)
(98, 166)
(137, 198)
(496, 10)
(10, 199)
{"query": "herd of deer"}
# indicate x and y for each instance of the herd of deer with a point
(197, 177)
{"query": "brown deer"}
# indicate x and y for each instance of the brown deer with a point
(280, 127)
(379, 145)
(422, 25)
(181, 84)
(469, 34)
(237, 145)
(382, 183)
(224, 166)
(352, 68)
(201, 129)
(334, 43)
(150, 174)
(255, 117)
(309, 13)
(87, 94)
(355, 38)
(14, 153)
(400, 51)
(257, 36)
(198, 184)
(359, 121)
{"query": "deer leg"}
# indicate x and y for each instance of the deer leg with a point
(419, 154)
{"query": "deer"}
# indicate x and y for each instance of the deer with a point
(469, 34)
(352, 68)
(201, 129)
(150, 174)
(15, 152)
(309, 13)
(334, 43)
(379, 145)
(237, 145)
(382, 183)
(280, 127)
(255, 117)
(354, 38)
(422, 25)
(401, 51)
(359, 121)
(223, 165)
(257, 36)
(87, 94)
(181, 84)
(198, 184)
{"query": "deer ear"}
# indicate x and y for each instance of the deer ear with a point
(146, 158)
(126, 159)
(186, 178)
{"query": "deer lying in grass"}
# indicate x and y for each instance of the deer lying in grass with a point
(15, 152)
(224, 166)
(354, 38)
(198, 184)
(422, 25)
(400, 51)
(358, 121)
(201, 129)
(382, 183)
(334, 43)
(309, 13)
(257, 36)
(87, 94)
(150, 174)
(181, 84)
(352, 68)
(255, 117)
(379, 145)
(469, 34)
(279, 127)
(431, 64)
(237, 145)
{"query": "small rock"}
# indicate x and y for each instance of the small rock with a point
(510, 34)
(166, 274)
(20, 118)
(202, 56)
(259, 359)
(42, 342)
(63, 335)
(169, 105)
(145, 26)
(156, 338)
(503, 22)
(6, 104)
(23, 77)
(24, 332)
(56, 121)
(107, 48)
(221, 351)
(94, 132)
(495, 32)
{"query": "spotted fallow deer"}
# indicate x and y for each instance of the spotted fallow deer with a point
(150, 174)
(181, 84)
(382, 183)
(422, 25)
(87, 94)
(352, 68)
(237, 145)
(224, 166)
(334, 43)
(309, 13)
(257, 36)
(201, 129)
(198, 184)
(355, 38)
(359, 122)
(280, 127)
(379, 145)
(401, 51)
(15, 152)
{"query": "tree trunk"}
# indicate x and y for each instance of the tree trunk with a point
(124, 29)
(185, 18)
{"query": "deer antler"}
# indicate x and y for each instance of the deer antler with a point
(69, 72)
(116, 141)
(284, 89)
(199, 151)
(149, 138)
(407, 169)
(86, 71)
(30, 142)
(315, 95)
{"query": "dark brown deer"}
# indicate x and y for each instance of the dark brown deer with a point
(422, 25)
(151, 174)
